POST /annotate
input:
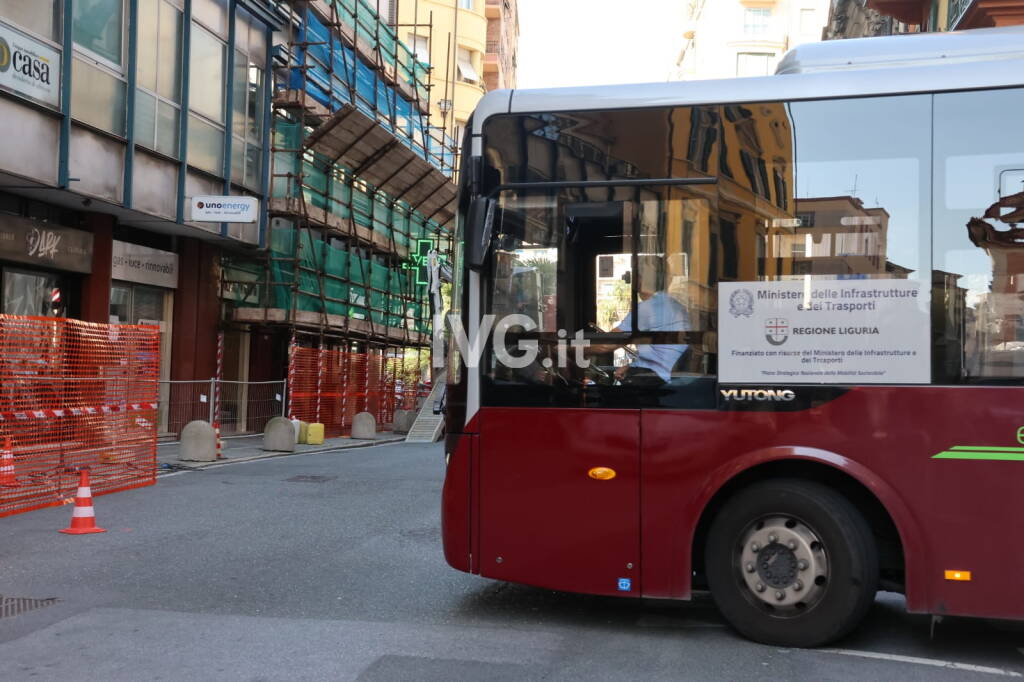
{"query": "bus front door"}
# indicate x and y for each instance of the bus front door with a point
(560, 498)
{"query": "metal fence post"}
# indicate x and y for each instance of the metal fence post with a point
(284, 398)
(213, 387)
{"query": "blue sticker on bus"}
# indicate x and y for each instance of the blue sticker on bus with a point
(625, 585)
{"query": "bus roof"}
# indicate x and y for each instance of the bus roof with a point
(980, 45)
(918, 63)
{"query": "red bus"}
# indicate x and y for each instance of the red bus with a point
(760, 336)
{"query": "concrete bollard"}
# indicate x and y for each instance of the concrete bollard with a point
(403, 421)
(364, 426)
(279, 435)
(198, 442)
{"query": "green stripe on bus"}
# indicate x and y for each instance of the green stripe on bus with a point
(986, 448)
(981, 454)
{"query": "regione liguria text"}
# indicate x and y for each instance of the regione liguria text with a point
(824, 331)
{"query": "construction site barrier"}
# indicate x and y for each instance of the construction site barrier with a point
(75, 395)
(244, 406)
(330, 387)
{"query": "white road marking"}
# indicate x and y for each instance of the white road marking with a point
(934, 662)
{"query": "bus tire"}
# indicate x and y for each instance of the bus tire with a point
(791, 563)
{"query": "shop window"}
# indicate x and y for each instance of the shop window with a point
(33, 293)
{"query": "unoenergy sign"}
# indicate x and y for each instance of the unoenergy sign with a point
(225, 209)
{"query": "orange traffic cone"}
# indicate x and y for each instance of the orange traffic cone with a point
(7, 478)
(83, 518)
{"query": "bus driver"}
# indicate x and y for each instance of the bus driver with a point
(657, 311)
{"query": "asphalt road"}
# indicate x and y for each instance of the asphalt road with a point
(236, 573)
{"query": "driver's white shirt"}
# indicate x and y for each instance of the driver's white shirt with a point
(659, 313)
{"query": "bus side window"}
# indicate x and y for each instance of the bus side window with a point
(978, 269)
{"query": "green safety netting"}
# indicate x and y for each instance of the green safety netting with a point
(379, 35)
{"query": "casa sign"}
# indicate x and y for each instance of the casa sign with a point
(29, 67)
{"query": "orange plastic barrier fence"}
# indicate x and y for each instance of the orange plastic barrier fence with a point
(75, 394)
(332, 386)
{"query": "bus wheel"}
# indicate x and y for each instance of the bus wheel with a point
(791, 563)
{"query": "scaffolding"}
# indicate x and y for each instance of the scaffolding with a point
(361, 188)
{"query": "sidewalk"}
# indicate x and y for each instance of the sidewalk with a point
(246, 448)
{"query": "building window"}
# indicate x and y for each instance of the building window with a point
(467, 74)
(420, 47)
(206, 101)
(753, 64)
(809, 22)
(755, 20)
(41, 17)
(98, 26)
(98, 85)
(466, 4)
(247, 117)
(248, 101)
(158, 98)
(29, 292)
(97, 97)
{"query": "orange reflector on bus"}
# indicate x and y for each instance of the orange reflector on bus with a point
(964, 576)
(601, 473)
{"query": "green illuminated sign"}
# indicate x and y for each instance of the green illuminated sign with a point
(421, 260)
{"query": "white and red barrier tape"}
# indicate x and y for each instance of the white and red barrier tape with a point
(27, 415)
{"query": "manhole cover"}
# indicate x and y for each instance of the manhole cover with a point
(310, 479)
(15, 606)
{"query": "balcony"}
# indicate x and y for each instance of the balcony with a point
(491, 63)
(493, 9)
(984, 13)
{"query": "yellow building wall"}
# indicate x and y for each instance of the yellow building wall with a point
(447, 18)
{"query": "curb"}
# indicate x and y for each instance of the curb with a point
(200, 466)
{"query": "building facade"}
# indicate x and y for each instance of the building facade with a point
(126, 111)
(471, 47)
(502, 44)
(856, 19)
(736, 38)
(361, 193)
(865, 18)
(142, 124)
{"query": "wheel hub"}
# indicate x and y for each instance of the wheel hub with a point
(783, 563)
(776, 565)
